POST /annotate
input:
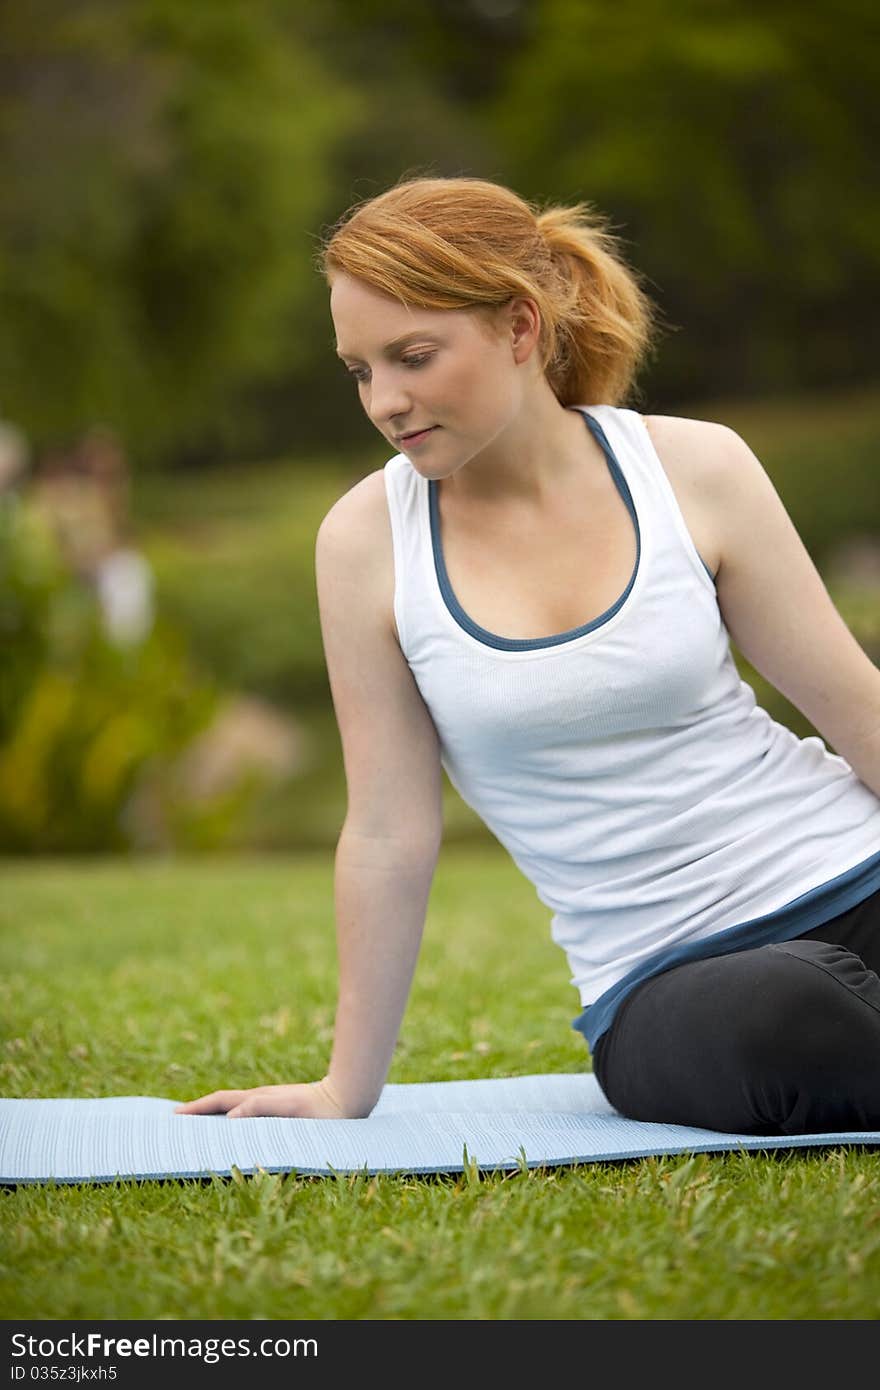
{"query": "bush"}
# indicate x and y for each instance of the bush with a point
(84, 723)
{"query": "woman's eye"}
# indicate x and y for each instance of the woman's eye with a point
(418, 361)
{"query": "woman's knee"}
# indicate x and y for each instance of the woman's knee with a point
(743, 1042)
(809, 1042)
(808, 1001)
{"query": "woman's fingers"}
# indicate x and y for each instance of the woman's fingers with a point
(252, 1106)
(313, 1100)
(217, 1103)
(300, 1101)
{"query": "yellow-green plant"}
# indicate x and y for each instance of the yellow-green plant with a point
(86, 724)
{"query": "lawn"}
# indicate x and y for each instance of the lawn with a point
(173, 976)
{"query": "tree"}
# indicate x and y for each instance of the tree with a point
(734, 148)
(164, 167)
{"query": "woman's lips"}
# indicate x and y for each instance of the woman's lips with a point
(410, 439)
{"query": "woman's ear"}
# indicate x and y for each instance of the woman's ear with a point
(524, 327)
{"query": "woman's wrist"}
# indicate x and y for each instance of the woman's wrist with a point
(348, 1104)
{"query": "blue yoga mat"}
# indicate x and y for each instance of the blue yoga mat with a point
(430, 1127)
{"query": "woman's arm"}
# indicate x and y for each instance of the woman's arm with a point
(776, 607)
(390, 842)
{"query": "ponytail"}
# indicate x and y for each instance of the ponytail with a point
(601, 322)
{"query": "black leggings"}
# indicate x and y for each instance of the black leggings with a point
(781, 1039)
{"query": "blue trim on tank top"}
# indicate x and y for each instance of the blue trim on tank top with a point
(519, 644)
(802, 914)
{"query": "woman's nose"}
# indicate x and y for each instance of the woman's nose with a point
(389, 399)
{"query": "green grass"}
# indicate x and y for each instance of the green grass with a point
(170, 977)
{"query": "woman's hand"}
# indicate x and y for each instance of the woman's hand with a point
(313, 1101)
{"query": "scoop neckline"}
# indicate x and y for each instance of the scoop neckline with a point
(519, 644)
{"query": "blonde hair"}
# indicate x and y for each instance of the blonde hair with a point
(467, 243)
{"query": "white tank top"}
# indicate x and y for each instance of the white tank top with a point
(659, 812)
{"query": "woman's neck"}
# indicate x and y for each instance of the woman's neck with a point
(532, 463)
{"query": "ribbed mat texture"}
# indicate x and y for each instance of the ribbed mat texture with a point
(428, 1127)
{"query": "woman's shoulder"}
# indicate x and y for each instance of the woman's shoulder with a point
(354, 536)
(700, 458)
(701, 443)
(696, 454)
(359, 516)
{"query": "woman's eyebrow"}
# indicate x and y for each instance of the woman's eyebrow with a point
(388, 348)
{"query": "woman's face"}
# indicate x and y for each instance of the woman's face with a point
(442, 371)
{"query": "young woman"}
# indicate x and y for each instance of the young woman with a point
(537, 593)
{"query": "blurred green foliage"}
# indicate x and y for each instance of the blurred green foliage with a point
(169, 170)
(232, 551)
(164, 166)
(84, 723)
(735, 148)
